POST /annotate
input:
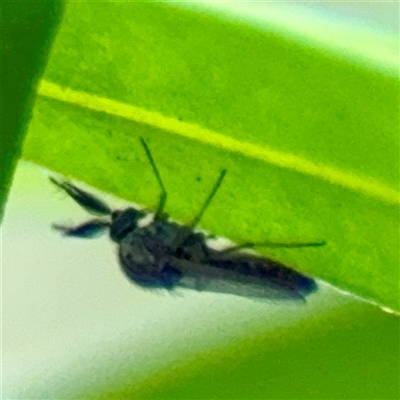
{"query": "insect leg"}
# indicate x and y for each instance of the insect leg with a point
(87, 230)
(189, 243)
(163, 196)
(86, 200)
(251, 245)
(197, 219)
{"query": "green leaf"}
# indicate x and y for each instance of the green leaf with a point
(27, 30)
(307, 128)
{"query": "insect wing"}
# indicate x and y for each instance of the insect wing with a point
(249, 277)
(266, 271)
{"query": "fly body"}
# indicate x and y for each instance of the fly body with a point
(164, 254)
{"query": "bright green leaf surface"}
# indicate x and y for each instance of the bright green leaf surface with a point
(309, 137)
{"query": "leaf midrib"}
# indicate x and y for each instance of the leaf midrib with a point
(367, 186)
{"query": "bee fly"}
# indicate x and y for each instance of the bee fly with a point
(164, 254)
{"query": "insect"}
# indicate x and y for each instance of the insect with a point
(165, 254)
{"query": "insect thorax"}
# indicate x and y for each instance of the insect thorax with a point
(145, 258)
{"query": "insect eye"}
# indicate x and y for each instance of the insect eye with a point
(123, 222)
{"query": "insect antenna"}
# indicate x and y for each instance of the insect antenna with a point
(163, 196)
(197, 219)
(88, 230)
(86, 200)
